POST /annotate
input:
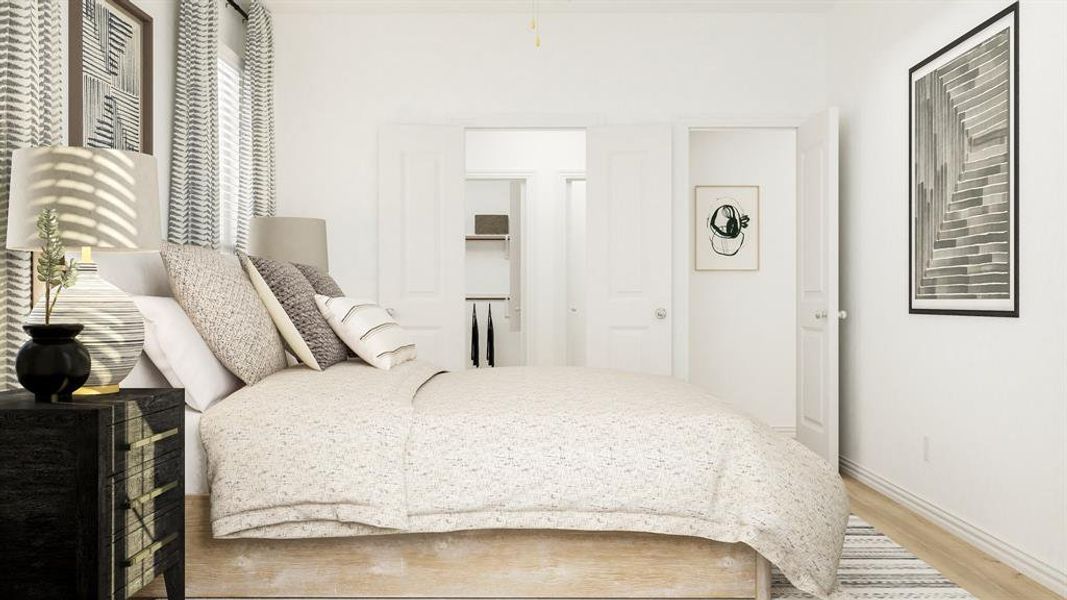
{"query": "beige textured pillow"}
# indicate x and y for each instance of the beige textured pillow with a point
(219, 299)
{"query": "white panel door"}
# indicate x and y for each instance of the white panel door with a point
(628, 220)
(817, 285)
(420, 237)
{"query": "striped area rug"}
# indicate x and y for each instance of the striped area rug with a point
(875, 567)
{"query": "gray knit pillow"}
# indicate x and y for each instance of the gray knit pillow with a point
(321, 281)
(325, 285)
(290, 301)
(225, 309)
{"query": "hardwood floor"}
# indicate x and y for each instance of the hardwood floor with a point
(970, 568)
(977, 572)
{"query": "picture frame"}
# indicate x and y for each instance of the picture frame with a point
(963, 128)
(107, 107)
(726, 227)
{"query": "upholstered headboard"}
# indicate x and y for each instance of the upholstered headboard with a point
(137, 275)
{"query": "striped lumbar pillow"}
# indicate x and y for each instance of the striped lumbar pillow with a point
(368, 330)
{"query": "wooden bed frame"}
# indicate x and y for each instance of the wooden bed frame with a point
(468, 564)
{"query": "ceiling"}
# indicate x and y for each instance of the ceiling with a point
(550, 6)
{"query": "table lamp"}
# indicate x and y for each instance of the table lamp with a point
(299, 240)
(107, 200)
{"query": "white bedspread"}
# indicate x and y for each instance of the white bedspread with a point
(354, 450)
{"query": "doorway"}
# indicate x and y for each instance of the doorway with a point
(794, 165)
(522, 234)
(424, 222)
(742, 324)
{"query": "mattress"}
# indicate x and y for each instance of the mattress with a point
(195, 459)
(146, 375)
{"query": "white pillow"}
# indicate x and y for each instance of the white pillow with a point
(178, 351)
(368, 330)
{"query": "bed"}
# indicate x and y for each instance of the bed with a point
(520, 482)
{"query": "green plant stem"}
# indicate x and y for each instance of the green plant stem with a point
(54, 300)
(47, 304)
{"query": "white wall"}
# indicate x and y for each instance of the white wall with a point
(546, 156)
(742, 324)
(989, 393)
(341, 74)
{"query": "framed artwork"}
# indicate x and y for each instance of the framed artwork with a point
(726, 232)
(963, 217)
(110, 75)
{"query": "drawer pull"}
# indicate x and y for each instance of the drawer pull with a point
(150, 549)
(162, 435)
(163, 489)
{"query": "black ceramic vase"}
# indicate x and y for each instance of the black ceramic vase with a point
(52, 364)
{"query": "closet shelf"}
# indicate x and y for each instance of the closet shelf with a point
(487, 237)
(488, 297)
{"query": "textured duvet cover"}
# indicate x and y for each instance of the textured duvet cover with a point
(355, 450)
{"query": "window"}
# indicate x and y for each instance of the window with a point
(229, 149)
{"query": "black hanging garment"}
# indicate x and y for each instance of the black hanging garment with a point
(474, 335)
(490, 359)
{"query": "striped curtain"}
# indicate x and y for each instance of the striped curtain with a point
(193, 212)
(31, 113)
(256, 192)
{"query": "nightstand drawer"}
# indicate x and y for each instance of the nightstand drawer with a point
(133, 574)
(144, 437)
(151, 533)
(142, 494)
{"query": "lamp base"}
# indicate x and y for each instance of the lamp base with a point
(97, 390)
(114, 328)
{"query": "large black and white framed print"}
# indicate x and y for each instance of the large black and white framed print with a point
(964, 172)
(110, 75)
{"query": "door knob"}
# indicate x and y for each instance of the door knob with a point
(842, 314)
(661, 313)
(820, 314)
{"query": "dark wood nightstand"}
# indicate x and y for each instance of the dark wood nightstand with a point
(92, 495)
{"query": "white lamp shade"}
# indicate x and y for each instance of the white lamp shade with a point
(297, 240)
(105, 199)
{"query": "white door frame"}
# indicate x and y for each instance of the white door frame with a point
(681, 224)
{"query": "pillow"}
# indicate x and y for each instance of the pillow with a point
(321, 281)
(223, 306)
(323, 284)
(290, 301)
(181, 355)
(368, 330)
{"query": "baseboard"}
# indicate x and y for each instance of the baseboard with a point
(1027, 564)
(785, 430)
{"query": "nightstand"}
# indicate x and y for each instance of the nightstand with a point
(92, 495)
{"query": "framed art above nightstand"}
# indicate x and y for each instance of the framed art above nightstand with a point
(92, 495)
